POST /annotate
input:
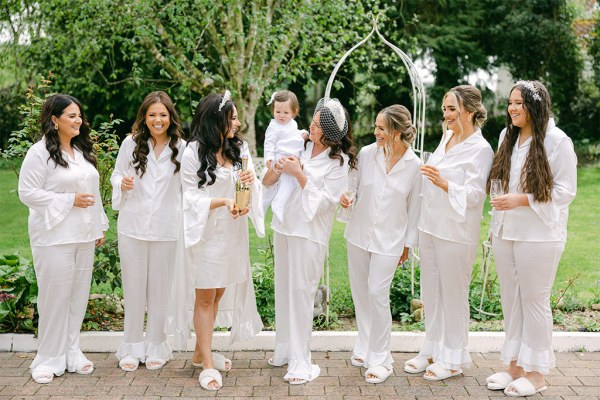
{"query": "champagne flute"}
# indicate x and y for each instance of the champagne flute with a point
(345, 213)
(130, 174)
(496, 188)
(425, 156)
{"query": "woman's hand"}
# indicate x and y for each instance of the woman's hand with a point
(83, 200)
(247, 177)
(345, 202)
(509, 201)
(434, 176)
(291, 165)
(127, 183)
(403, 257)
(100, 242)
(232, 207)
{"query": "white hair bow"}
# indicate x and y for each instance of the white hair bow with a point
(272, 98)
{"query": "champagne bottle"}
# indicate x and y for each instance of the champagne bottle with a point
(242, 191)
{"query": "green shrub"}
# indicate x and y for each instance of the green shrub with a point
(400, 292)
(264, 285)
(107, 268)
(18, 294)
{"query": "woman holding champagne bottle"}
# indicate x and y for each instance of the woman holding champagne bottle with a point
(302, 236)
(382, 228)
(452, 204)
(216, 230)
(537, 167)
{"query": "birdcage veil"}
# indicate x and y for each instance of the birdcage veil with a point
(332, 119)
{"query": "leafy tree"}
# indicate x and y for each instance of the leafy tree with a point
(190, 47)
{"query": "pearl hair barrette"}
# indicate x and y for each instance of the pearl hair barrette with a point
(226, 98)
(531, 87)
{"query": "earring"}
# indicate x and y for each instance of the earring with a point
(55, 127)
(397, 138)
(469, 118)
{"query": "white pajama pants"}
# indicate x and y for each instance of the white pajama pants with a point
(146, 269)
(371, 276)
(526, 271)
(298, 268)
(64, 276)
(445, 276)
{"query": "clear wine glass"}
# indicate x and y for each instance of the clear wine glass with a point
(425, 156)
(344, 214)
(496, 188)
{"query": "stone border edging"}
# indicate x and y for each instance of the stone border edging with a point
(481, 342)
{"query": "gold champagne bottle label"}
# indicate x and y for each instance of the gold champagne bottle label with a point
(242, 192)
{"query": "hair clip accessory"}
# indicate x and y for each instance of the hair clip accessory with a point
(531, 87)
(272, 98)
(226, 98)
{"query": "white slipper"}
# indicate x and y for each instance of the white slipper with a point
(81, 368)
(357, 361)
(126, 361)
(207, 376)
(416, 365)
(379, 372)
(220, 362)
(297, 381)
(154, 363)
(499, 381)
(522, 387)
(272, 363)
(440, 373)
(42, 375)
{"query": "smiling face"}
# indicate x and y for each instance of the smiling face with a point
(382, 134)
(316, 132)
(455, 115)
(234, 124)
(517, 111)
(69, 122)
(282, 111)
(158, 119)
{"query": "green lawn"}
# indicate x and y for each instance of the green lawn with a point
(581, 255)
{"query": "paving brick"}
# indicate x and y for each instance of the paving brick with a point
(577, 372)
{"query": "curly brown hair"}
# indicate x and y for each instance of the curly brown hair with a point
(141, 132)
(55, 106)
(536, 176)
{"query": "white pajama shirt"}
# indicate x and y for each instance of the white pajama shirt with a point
(384, 221)
(449, 234)
(528, 243)
(149, 227)
(300, 245)
(62, 240)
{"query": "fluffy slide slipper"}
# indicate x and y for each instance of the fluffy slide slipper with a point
(379, 372)
(416, 365)
(499, 381)
(154, 363)
(220, 362)
(42, 375)
(522, 387)
(439, 373)
(357, 361)
(85, 368)
(129, 364)
(208, 376)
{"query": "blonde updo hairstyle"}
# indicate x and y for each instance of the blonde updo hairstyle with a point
(470, 98)
(397, 118)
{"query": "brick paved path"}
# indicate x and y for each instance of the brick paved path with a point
(577, 377)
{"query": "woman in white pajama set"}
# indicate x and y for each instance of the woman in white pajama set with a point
(451, 213)
(301, 238)
(216, 232)
(60, 185)
(529, 231)
(147, 194)
(382, 228)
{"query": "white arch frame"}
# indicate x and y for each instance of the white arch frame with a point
(419, 106)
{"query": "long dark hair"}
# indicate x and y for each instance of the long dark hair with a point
(209, 128)
(141, 132)
(55, 106)
(344, 145)
(536, 176)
